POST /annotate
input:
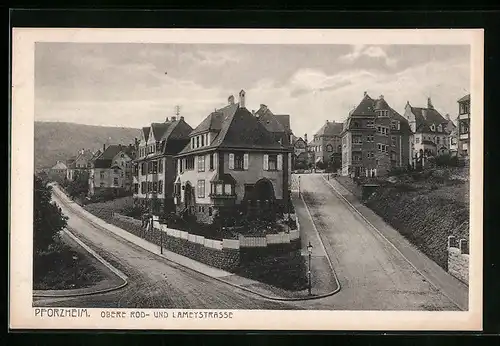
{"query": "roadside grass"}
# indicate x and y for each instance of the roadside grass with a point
(425, 207)
(105, 210)
(55, 269)
(287, 271)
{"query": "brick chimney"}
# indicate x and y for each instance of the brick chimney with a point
(242, 98)
(381, 97)
(263, 107)
(103, 147)
(182, 117)
(365, 93)
(230, 100)
(173, 118)
(305, 137)
(429, 103)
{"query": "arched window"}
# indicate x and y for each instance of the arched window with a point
(329, 147)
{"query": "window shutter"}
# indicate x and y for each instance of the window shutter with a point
(231, 161)
(280, 162)
(266, 162)
(245, 161)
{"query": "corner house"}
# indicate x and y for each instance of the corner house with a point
(231, 160)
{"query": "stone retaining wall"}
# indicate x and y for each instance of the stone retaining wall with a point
(458, 259)
(226, 254)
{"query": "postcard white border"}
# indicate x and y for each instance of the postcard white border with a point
(22, 168)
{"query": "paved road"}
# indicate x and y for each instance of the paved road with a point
(153, 282)
(372, 274)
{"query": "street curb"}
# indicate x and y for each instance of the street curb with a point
(273, 298)
(123, 277)
(394, 246)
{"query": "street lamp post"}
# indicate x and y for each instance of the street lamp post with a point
(299, 186)
(75, 268)
(309, 250)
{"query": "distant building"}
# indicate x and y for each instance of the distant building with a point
(464, 127)
(300, 156)
(79, 164)
(231, 160)
(326, 143)
(430, 133)
(111, 171)
(375, 139)
(58, 171)
(155, 167)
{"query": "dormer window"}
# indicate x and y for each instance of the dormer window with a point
(433, 127)
(440, 128)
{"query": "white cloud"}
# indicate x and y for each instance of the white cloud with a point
(212, 58)
(375, 52)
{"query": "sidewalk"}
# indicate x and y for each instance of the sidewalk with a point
(451, 287)
(323, 274)
(249, 285)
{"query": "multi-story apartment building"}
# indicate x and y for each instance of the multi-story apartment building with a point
(326, 143)
(155, 166)
(111, 172)
(231, 160)
(464, 126)
(375, 139)
(430, 133)
(79, 164)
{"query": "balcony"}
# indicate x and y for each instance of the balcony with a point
(464, 136)
(465, 116)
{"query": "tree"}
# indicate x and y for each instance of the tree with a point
(79, 186)
(48, 219)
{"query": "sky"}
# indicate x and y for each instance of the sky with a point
(134, 84)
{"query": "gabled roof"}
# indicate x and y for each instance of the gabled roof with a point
(330, 129)
(364, 108)
(59, 165)
(465, 98)
(213, 122)
(425, 117)
(273, 122)
(105, 160)
(238, 129)
(145, 131)
(159, 129)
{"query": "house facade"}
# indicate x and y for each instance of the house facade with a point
(58, 171)
(326, 143)
(300, 157)
(464, 126)
(111, 172)
(430, 133)
(155, 167)
(375, 139)
(231, 160)
(279, 126)
(80, 164)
